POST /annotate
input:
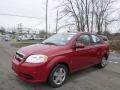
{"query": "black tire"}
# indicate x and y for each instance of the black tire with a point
(51, 80)
(103, 63)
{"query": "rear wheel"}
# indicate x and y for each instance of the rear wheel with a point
(58, 76)
(103, 62)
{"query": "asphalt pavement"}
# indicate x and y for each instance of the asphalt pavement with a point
(88, 79)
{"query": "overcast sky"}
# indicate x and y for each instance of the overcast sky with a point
(33, 8)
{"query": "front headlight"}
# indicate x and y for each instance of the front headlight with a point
(37, 59)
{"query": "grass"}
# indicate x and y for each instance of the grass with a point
(21, 44)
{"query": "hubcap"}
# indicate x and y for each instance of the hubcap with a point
(104, 62)
(59, 76)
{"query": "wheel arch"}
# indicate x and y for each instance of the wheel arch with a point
(57, 61)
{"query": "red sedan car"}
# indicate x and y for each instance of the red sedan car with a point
(58, 56)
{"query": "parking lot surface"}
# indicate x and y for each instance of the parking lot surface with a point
(88, 79)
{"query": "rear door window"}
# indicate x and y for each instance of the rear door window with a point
(95, 39)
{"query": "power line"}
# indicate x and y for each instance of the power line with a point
(13, 15)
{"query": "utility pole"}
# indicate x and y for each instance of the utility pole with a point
(46, 18)
(57, 22)
(20, 28)
(49, 32)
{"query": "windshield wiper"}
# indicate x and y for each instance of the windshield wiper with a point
(49, 43)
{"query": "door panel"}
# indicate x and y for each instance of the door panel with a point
(82, 57)
(96, 43)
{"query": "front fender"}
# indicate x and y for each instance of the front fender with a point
(57, 60)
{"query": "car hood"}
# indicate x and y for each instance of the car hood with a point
(48, 50)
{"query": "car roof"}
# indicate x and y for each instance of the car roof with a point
(79, 33)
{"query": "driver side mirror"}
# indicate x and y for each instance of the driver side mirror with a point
(79, 45)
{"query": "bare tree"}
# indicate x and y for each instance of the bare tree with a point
(81, 14)
(102, 8)
(93, 12)
(88, 15)
(79, 11)
(69, 8)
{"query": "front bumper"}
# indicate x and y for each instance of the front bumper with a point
(32, 73)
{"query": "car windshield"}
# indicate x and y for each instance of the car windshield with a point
(58, 39)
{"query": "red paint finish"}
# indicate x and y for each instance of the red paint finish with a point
(75, 58)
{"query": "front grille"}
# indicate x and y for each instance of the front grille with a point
(19, 56)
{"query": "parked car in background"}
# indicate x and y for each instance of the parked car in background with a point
(58, 56)
(18, 39)
(7, 38)
(1, 37)
(22, 38)
(4, 38)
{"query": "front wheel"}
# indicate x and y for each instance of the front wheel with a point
(58, 76)
(103, 63)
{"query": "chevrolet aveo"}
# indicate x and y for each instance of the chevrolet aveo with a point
(58, 56)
